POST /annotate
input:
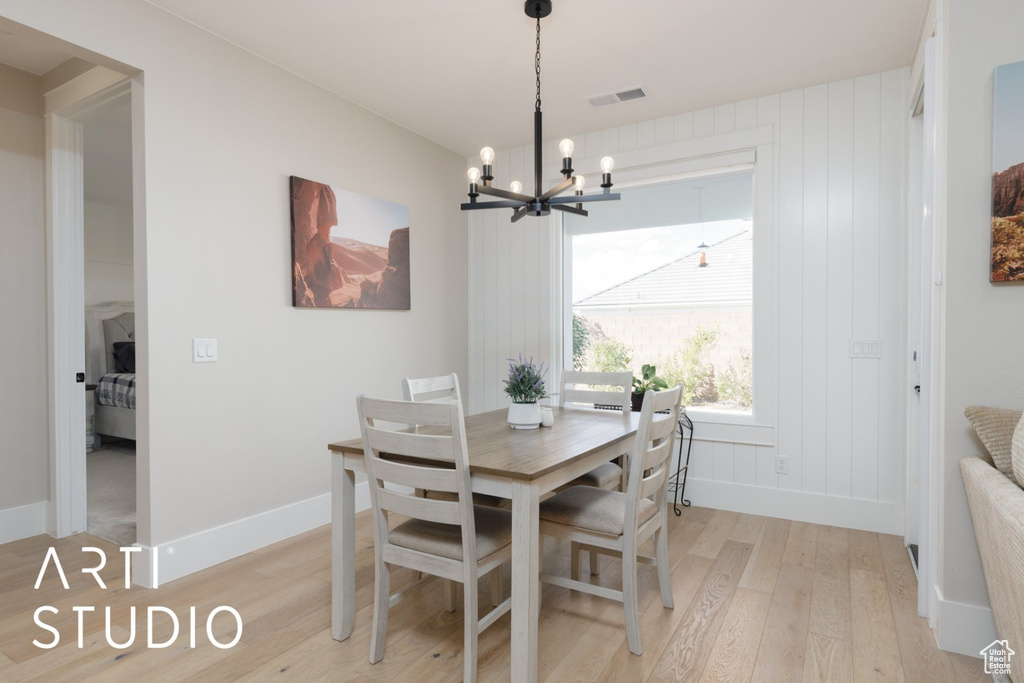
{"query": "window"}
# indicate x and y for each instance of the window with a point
(665, 277)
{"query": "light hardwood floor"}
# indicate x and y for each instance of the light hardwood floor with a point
(756, 599)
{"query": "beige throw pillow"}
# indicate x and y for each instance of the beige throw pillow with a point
(995, 428)
(1017, 452)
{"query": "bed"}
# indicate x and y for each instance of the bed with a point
(106, 326)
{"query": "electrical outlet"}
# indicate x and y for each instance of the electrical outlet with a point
(782, 464)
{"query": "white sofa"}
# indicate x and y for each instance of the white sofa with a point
(995, 493)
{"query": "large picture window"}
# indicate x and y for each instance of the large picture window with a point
(665, 277)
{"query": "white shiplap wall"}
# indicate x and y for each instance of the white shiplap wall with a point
(831, 236)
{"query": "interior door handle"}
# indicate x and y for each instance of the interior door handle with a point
(917, 388)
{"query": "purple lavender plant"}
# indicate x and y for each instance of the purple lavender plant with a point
(525, 383)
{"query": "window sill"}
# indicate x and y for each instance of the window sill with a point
(744, 429)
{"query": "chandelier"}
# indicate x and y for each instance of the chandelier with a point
(540, 203)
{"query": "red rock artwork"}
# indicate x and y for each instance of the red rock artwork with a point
(1008, 175)
(348, 250)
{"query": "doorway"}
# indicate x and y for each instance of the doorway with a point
(95, 199)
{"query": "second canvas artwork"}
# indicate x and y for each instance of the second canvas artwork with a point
(349, 250)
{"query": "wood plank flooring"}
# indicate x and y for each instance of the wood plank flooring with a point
(756, 599)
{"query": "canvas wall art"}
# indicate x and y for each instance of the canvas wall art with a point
(348, 250)
(1008, 175)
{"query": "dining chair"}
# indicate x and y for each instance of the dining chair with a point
(445, 389)
(451, 539)
(617, 523)
(609, 390)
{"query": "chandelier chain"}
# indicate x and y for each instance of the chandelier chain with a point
(537, 63)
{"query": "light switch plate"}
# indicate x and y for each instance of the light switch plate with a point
(865, 348)
(204, 350)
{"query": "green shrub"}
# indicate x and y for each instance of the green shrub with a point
(736, 385)
(610, 355)
(691, 366)
(580, 342)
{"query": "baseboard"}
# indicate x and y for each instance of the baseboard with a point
(962, 628)
(189, 554)
(23, 521)
(851, 513)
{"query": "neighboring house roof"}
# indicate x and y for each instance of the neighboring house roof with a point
(728, 278)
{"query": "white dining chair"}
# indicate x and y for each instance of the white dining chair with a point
(452, 539)
(609, 390)
(445, 389)
(617, 523)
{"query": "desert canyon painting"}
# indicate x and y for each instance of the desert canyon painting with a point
(1008, 175)
(348, 250)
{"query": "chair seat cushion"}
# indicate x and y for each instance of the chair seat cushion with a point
(599, 476)
(478, 498)
(493, 532)
(593, 509)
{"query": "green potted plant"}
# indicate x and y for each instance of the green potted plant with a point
(525, 386)
(648, 381)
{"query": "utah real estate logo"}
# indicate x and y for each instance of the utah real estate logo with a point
(997, 657)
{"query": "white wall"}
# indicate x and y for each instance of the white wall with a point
(829, 252)
(23, 438)
(109, 250)
(984, 323)
(223, 131)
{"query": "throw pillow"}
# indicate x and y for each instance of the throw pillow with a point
(995, 427)
(124, 356)
(1017, 452)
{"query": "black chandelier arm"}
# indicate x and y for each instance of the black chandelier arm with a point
(520, 213)
(504, 194)
(557, 189)
(507, 204)
(580, 199)
(570, 209)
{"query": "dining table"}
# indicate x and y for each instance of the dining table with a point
(515, 464)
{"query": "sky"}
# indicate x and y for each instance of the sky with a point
(1008, 126)
(602, 260)
(367, 219)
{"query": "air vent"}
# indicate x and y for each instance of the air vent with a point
(627, 95)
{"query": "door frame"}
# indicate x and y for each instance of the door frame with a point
(67, 107)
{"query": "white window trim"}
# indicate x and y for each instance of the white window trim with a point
(716, 155)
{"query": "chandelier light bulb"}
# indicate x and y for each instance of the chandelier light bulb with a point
(607, 164)
(473, 174)
(516, 187)
(566, 147)
(487, 155)
(580, 182)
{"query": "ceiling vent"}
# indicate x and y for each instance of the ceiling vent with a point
(627, 95)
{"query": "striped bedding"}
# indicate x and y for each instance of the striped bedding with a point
(117, 390)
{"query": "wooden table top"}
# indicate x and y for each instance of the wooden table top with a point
(497, 449)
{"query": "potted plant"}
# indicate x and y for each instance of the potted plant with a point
(525, 386)
(648, 381)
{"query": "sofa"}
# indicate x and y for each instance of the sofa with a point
(995, 494)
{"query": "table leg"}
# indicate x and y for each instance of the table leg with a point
(525, 580)
(343, 548)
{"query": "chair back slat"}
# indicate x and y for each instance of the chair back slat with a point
(433, 447)
(442, 511)
(621, 384)
(414, 476)
(658, 454)
(443, 388)
(652, 451)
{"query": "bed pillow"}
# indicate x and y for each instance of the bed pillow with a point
(995, 427)
(124, 356)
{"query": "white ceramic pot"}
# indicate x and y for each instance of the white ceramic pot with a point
(524, 415)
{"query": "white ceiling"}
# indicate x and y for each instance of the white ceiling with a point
(461, 73)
